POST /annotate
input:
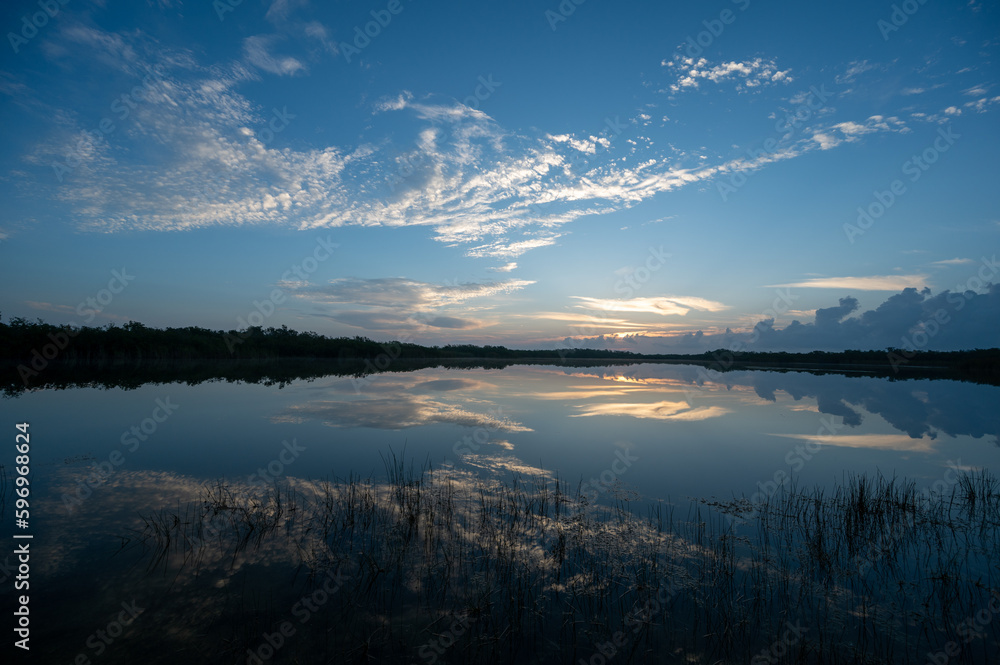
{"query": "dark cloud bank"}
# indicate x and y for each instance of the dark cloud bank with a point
(909, 320)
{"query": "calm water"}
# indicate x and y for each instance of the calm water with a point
(670, 433)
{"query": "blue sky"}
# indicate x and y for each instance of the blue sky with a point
(537, 175)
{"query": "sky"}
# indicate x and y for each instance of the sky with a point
(651, 176)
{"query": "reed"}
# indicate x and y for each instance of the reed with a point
(870, 570)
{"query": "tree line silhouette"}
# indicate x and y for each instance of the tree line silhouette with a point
(36, 344)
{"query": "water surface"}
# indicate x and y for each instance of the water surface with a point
(655, 435)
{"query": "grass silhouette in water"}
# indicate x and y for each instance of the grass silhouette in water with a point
(442, 566)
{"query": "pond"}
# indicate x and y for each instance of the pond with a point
(526, 513)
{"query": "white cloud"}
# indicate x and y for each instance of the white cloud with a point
(281, 9)
(399, 292)
(825, 141)
(584, 320)
(390, 306)
(397, 103)
(899, 442)
(980, 105)
(655, 410)
(257, 50)
(205, 159)
(664, 305)
(873, 283)
(588, 145)
(399, 410)
(317, 31)
(838, 327)
(754, 73)
(851, 131)
(506, 249)
(854, 70)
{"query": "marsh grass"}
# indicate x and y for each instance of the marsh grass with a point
(872, 571)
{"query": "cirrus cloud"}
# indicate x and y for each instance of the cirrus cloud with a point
(663, 305)
(872, 283)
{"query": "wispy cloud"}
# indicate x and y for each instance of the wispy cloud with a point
(663, 305)
(583, 319)
(258, 51)
(401, 292)
(898, 442)
(654, 410)
(872, 283)
(975, 91)
(473, 184)
(982, 105)
(49, 307)
(395, 411)
(392, 306)
(280, 10)
(854, 70)
(850, 131)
